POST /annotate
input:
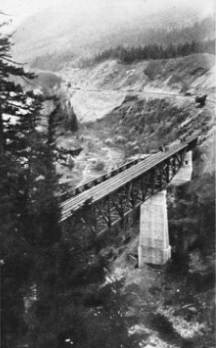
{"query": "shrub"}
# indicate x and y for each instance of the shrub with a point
(98, 166)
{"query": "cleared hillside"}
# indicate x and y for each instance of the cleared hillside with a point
(95, 91)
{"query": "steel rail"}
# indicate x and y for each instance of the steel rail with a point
(121, 179)
(98, 180)
(111, 185)
(102, 190)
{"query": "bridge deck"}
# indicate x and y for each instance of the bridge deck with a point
(111, 185)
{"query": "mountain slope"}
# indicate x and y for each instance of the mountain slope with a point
(95, 91)
(75, 29)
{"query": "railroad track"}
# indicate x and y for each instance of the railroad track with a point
(79, 189)
(103, 189)
(148, 93)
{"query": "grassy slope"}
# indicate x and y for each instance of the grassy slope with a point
(169, 72)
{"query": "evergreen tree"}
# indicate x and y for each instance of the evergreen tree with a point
(48, 274)
(15, 260)
(28, 207)
(70, 118)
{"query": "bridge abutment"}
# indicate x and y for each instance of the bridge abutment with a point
(154, 236)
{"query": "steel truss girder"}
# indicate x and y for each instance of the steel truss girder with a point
(108, 211)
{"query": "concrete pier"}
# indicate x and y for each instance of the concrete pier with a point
(154, 237)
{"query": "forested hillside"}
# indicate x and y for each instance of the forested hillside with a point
(156, 51)
(154, 44)
(122, 28)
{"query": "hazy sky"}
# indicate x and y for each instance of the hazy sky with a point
(19, 9)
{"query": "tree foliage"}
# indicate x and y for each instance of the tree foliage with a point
(156, 51)
(52, 276)
(28, 207)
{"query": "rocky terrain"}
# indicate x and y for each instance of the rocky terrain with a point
(113, 101)
(96, 90)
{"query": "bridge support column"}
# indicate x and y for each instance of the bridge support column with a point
(154, 238)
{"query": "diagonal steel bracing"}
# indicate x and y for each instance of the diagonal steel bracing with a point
(101, 212)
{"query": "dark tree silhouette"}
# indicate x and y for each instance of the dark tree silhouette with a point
(47, 272)
(28, 206)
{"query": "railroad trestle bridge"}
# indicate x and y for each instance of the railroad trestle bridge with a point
(108, 202)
